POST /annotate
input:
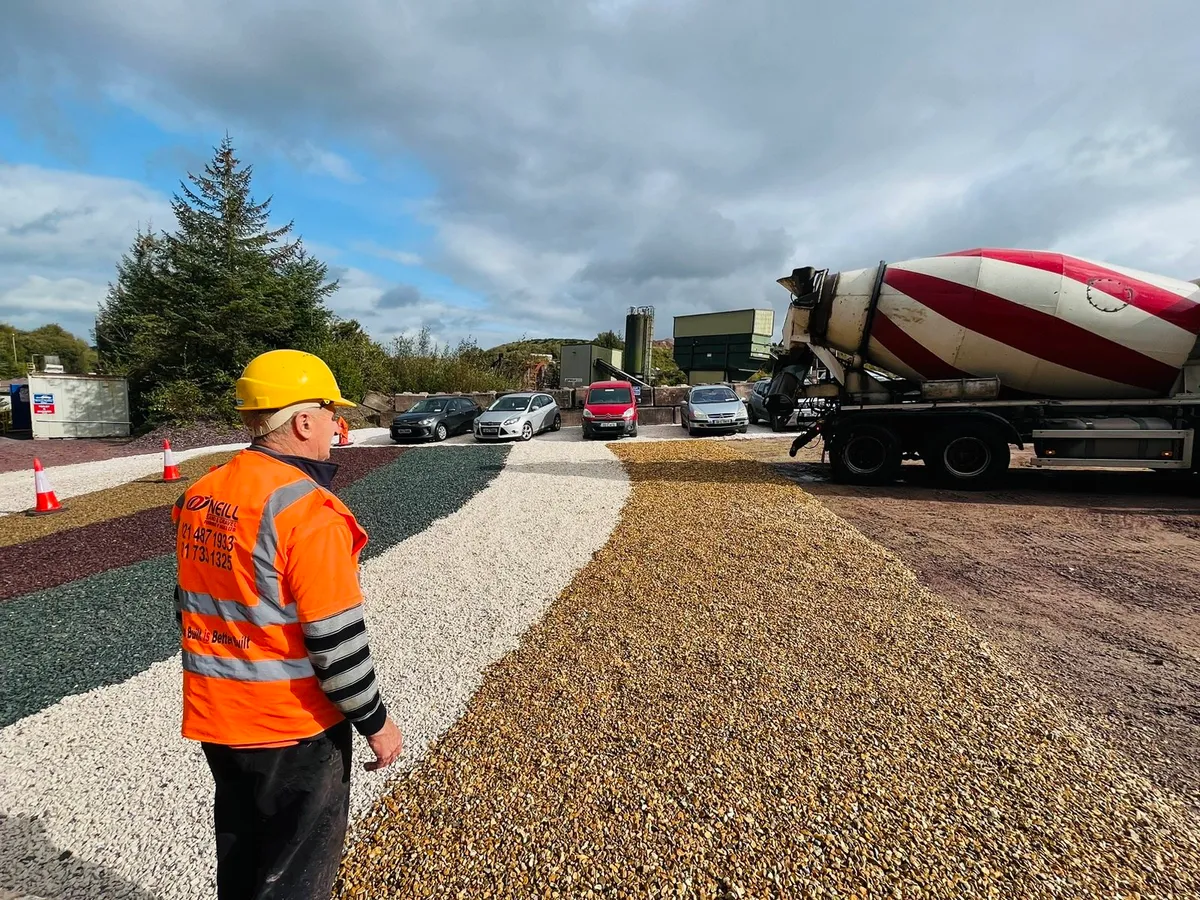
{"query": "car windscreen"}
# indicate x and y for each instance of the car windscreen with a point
(429, 406)
(714, 395)
(600, 396)
(510, 404)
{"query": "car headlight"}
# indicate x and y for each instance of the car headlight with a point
(696, 414)
(628, 414)
(513, 421)
(588, 414)
(428, 421)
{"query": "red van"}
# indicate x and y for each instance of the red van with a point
(610, 409)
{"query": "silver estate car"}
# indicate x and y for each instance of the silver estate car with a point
(518, 416)
(713, 407)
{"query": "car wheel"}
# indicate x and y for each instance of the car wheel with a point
(527, 431)
(751, 414)
(440, 433)
(557, 423)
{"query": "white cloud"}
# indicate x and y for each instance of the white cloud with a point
(61, 235)
(403, 257)
(310, 158)
(592, 156)
(38, 300)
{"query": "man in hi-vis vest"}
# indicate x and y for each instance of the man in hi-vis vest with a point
(276, 665)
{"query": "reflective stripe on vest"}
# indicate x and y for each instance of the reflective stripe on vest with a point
(245, 669)
(247, 677)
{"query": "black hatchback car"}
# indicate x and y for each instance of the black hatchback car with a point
(435, 418)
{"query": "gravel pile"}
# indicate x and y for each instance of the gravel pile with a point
(105, 775)
(74, 553)
(742, 696)
(17, 493)
(189, 437)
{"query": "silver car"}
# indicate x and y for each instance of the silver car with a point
(713, 407)
(518, 416)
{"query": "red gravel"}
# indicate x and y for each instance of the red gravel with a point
(79, 552)
(17, 454)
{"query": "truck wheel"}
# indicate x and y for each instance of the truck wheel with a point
(969, 457)
(865, 454)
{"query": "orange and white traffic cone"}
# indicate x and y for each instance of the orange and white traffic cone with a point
(46, 501)
(170, 469)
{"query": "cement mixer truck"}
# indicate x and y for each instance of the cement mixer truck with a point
(954, 359)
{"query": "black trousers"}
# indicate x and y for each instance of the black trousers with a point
(281, 817)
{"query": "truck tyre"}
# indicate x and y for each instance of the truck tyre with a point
(865, 454)
(970, 456)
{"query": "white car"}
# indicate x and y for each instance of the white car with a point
(518, 416)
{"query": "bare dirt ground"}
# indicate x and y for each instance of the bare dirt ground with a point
(1089, 581)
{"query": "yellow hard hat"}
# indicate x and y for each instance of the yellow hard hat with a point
(281, 378)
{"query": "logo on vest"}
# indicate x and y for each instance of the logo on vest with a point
(221, 514)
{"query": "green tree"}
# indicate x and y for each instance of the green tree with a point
(666, 370)
(359, 363)
(75, 354)
(190, 308)
(609, 339)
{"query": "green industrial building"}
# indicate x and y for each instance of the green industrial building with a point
(581, 364)
(723, 346)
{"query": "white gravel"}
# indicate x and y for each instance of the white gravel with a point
(106, 776)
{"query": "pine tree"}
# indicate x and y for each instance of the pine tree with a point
(189, 309)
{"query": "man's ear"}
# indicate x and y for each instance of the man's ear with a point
(302, 425)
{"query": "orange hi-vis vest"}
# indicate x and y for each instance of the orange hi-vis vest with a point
(261, 549)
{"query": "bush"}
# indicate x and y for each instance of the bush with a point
(185, 403)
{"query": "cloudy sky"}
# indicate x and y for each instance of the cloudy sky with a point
(499, 169)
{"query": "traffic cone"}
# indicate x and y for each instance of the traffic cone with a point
(170, 470)
(46, 501)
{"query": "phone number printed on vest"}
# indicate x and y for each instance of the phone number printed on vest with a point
(207, 546)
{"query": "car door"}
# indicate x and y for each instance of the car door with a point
(473, 412)
(758, 399)
(462, 419)
(539, 416)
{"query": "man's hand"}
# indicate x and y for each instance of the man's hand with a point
(386, 744)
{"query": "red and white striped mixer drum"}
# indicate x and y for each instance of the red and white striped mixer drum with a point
(1044, 323)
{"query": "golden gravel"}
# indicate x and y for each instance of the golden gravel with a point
(85, 509)
(742, 696)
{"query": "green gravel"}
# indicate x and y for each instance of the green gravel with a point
(84, 635)
(399, 501)
(106, 628)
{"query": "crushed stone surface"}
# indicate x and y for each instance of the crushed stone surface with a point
(742, 696)
(140, 473)
(105, 777)
(71, 553)
(107, 627)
